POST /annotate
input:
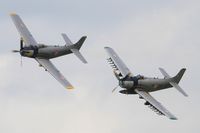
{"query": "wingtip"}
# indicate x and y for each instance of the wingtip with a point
(63, 34)
(106, 47)
(173, 118)
(13, 14)
(70, 87)
(186, 95)
(85, 62)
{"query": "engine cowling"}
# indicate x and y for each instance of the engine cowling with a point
(27, 53)
(127, 84)
(31, 51)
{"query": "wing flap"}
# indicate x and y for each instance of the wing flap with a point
(54, 72)
(116, 62)
(152, 101)
(23, 30)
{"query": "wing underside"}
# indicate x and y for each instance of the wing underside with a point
(116, 62)
(155, 105)
(54, 72)
(23, 30)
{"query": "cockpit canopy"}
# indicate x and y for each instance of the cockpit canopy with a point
(140, 77)
(40, 45)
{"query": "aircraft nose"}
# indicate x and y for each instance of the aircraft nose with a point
(121, 83)
(21, 52)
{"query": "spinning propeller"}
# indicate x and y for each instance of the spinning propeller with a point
(19, 51)
(115, 88)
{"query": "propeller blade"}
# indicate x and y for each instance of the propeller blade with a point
(21, 63)
(15, 51)
(21, 43)
(115, 88)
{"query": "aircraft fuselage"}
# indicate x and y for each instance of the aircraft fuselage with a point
(153, 84)
(44, 51)
(145, 84)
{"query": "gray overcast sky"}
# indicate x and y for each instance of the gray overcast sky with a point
(146, 35)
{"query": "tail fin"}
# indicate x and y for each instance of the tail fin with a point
(175, 80)
(80, 42)
(178, 77)
(76, 46)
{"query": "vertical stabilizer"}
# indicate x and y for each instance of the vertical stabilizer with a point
(76, 47)
(178, 77)
(175, 80)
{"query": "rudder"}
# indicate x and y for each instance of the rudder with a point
(178, 77)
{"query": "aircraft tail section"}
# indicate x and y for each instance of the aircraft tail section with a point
(175, 85)
(76, 47)
(80, 42)
(175, 80)
(178, 77)
(79, 55)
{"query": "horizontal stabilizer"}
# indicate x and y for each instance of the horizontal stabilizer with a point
(76, 46)
(79, 55)
(175, 80)
(164, 73)
(175, 85)
(67, 40)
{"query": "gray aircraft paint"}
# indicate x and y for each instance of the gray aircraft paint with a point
(43, 53)
(143, 85)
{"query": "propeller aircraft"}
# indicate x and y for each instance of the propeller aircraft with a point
(144, 85)
(43, 53)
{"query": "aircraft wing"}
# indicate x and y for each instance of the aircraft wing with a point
(23, 30)
(116, 62)
(155, 104)
(54, 72)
